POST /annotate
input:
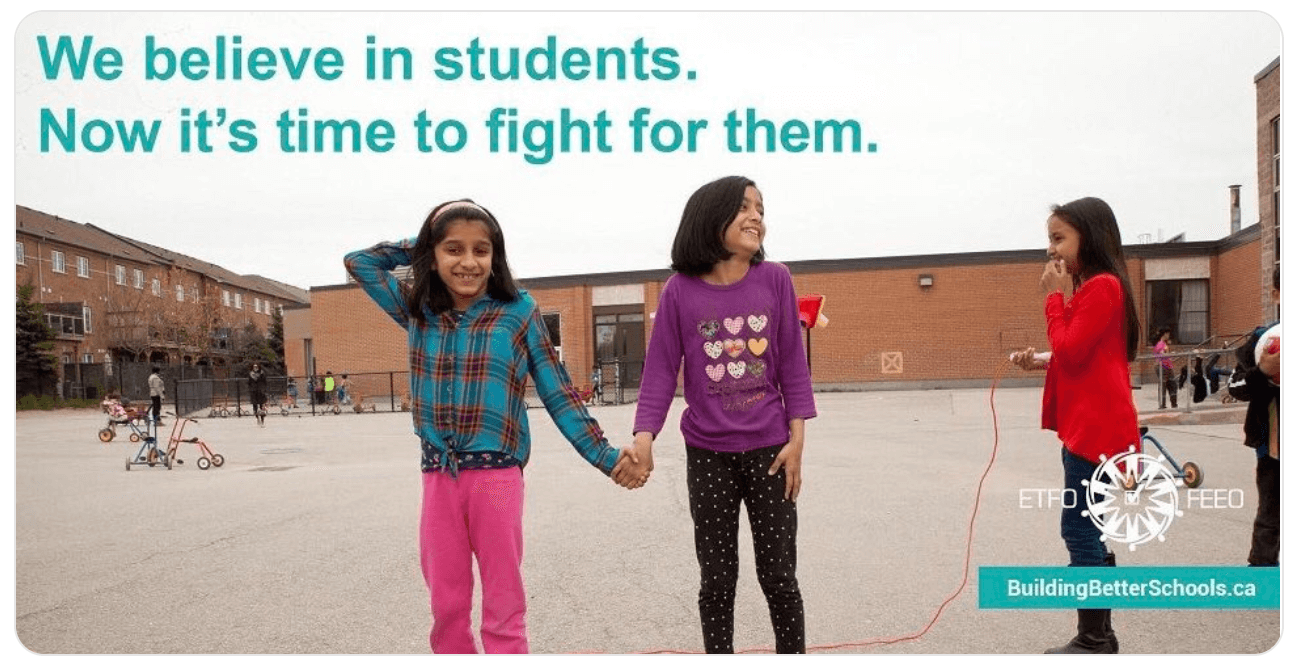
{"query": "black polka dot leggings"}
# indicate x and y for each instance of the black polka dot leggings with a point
(717, 483)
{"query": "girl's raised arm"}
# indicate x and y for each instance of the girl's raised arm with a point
(371, 269)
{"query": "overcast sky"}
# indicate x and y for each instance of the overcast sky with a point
(981, 120)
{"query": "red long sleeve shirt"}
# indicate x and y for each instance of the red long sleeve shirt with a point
(1087, 398)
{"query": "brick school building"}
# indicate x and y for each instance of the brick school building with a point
(921, 321)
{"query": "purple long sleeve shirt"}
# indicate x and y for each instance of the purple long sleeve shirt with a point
(745, 370)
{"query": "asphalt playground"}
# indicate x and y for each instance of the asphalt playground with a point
(305, 540)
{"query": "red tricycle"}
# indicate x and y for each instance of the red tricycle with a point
(206, 459)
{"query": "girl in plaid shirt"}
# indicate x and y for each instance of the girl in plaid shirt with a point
(474, 338)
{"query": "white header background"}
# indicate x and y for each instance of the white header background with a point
(982, 120)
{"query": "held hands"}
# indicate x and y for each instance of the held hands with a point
(1056, 278)
(635, 464)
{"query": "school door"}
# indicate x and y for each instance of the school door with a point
(619, 337)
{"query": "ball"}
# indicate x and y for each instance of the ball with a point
(1269, 341)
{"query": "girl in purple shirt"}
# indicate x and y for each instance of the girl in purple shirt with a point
(731, 319)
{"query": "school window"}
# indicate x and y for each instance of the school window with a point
(121, 275)
(21, 253)
(179, 292)
(1182, 306)
(83, 267)
(157, 288)
(1277, 190)
(553, 324)
(56, 258)
(225, 297)
(238, 301)
(88, 316)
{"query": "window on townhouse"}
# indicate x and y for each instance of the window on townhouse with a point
(87, 358)
(21, 253)
(179, 292)
(157, 287)
(238, 301)
(1181, 306)
(139, 279)
(256, 304)
(83, 267)
(225, 297)
(121, 275)
(56, 258)
(88, 316)
(221, 337)
(66, 319)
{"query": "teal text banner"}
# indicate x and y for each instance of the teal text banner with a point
(1199, 587)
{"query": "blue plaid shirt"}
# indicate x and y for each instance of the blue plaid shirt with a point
(468, 375)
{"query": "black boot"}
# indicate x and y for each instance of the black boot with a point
(1107, 627)
(1092, 638)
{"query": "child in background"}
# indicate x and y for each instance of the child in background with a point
(117, 413)
(1093, 332)
(732, 319)
(1165, 369)
(1256, 381)
(474, 338)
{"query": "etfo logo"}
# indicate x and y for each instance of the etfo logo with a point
(1133, 498)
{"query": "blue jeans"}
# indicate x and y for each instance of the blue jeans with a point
(1083, 538)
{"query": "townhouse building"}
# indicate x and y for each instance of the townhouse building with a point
(112, 300)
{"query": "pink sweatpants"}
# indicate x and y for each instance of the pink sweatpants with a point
(480, 514)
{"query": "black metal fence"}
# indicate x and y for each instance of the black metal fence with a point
(382, 392)
(378, 392)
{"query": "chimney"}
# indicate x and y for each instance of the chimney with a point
(1235, 209)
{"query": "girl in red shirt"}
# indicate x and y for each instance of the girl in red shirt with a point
(1093, 332)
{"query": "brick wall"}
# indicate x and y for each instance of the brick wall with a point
(350, 334)
(1235, 302)
(297, 329)
(576, 326)
(884, 329)
(1267, 109)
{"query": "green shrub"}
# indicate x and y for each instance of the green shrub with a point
(45, 403)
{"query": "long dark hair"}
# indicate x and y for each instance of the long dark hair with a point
(1101, 253)
(428, 290)
(699, 241)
